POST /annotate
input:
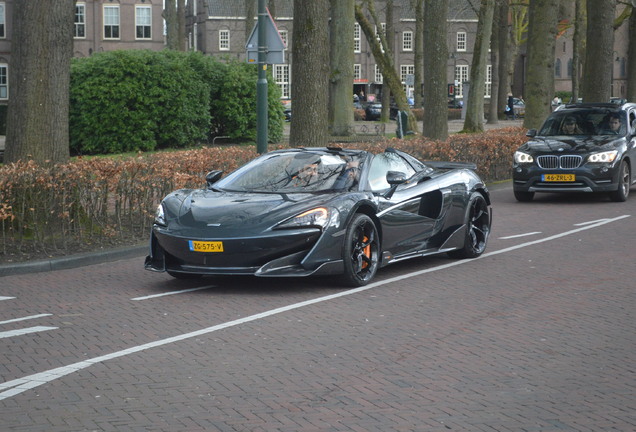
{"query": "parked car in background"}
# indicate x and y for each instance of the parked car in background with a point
(373, 111)
(321, 211)
(579, 148)
(519, 107)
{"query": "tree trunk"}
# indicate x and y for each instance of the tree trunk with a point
(631, 58)
(310, 74)
(181, 23)
(578, 44)
(385, 63)
(435, 78)
(38, 111)
(341, 85)
(172, 24)
(596, 83)
(507, 52)
(475, 105)
(250, 13)
(388, 37)
(542, 29)
(493, 111)
(418, 49)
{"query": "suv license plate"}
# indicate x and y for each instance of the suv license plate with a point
(558, 177)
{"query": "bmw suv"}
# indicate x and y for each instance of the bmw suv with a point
(579, 148)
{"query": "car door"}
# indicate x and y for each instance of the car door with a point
(408, 216)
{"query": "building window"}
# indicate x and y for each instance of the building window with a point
(461, 41)
(283, 36)
(406, 76)
(281, 77)
(488, 83)
(623, 67)
(224, 40)
(378, 75)
(111, 22)
(143, 22)
(356, 38)
(357, 71)
(570, 66)
(557, 68)
(3, 19)
(407, 41)
(80, 21)
(4, 82)
(461, 76)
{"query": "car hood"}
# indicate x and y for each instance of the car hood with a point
(575, 145)
(233, 211)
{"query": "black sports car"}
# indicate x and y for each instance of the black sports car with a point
(579, 148)
(320, 211)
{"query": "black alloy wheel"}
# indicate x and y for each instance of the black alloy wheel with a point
(477, 228)
(361, 251)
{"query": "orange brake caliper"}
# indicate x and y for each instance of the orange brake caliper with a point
(367, 252)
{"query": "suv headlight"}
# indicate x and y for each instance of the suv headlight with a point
(523, 158)
(603, 157)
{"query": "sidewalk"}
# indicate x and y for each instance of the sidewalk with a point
(454, 126)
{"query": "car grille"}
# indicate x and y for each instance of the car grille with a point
(562, 162)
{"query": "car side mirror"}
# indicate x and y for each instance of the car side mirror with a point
(212, 177)
(394, 178)
(531, 133)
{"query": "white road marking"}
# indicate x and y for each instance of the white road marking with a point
(20, 332)
(24, 318)
(520, 235)
(172, 293)
(20, 385)
(6, 298)
(590, 222)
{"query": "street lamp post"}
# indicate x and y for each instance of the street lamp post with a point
(261, 83)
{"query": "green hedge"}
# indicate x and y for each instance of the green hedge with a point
(139, 100)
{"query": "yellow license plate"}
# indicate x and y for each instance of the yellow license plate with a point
(558, 177)
(206, 246)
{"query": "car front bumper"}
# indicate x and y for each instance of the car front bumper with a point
(596, 179)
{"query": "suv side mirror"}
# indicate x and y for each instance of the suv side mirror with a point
(531, 133)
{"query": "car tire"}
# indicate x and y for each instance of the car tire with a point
(478, 220)
(361, 251)
(183, 276)
(624, 182)
(524, 196)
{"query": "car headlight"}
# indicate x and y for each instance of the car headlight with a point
(523, 158)
(160, 217)
(603, 157)
(318, 217)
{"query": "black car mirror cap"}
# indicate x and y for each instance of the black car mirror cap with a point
(394, 178)
(531, 133)
(212, 177)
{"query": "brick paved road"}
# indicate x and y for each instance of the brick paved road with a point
(534, 338)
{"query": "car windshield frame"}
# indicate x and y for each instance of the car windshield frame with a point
(296, 172)
(589, 121)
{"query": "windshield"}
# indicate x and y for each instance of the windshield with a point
(296, 172)
(585, 121)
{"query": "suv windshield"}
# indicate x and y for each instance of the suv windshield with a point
(296, 172)
(585, 121)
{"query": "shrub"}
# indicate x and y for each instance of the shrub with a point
(101, 202)
(124, 101)
(137, 100)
